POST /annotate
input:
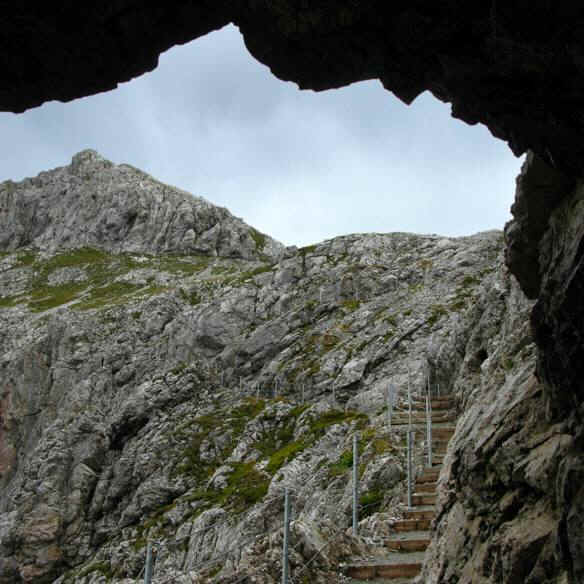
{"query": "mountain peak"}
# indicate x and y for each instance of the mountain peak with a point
(96, 203)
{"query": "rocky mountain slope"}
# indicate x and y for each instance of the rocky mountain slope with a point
(118, 208)
(166, 371)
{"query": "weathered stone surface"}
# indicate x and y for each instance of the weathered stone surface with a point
(94, 203)
(161, 395)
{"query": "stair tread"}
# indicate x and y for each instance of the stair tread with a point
(379, 581)
(410, 535)
(391, 559)
(421, 508)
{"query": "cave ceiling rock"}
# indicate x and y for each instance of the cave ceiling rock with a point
(516, 67)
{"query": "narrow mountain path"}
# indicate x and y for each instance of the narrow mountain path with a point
(406, 546)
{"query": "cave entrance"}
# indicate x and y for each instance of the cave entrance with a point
(299, 165)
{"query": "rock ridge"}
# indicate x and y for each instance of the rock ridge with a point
(95, 203)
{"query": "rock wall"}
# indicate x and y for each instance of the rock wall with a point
(171, 397)
(511, 502)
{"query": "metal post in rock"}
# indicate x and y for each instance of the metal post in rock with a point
(355, 485)
(387, 408)
(410, 469)
(390, 398)
(148, 568)
(409, 401)
(429, 427)
(285, 566)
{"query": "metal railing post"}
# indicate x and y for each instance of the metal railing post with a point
(355, 485)
(429, 427)
(409, 402)
(387, 408)
(410, 469)
(148, 568)
(285, 566)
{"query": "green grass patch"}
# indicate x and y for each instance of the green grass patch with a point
(352, 304)
(329, 341)
(75, 258)
(177, 369)
(245, 487)
(468, 281)
(388, 335)
(255, 272)
(319, 425)
(342, 465)
(243, 413)
(108, 295)
(307, 249)
(26, 258)
(457, 304)
(193, 298)
(259, 238)
(437, 311)
(284, 455)
(101, 567)
(47, 297)
(181, 264)
(198, 430)
(10, 301)
(370, 503)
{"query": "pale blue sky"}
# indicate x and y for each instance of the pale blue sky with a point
(299, 165)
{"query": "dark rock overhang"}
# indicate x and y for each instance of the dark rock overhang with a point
(516, 67)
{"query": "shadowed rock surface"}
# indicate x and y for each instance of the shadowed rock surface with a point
(517, 68)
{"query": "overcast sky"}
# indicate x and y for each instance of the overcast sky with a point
(299, 165)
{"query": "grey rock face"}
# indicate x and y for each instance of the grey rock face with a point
(173, 397)
(95, 203)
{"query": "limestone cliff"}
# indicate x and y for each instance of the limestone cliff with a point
(94, 203)
(172, 396)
